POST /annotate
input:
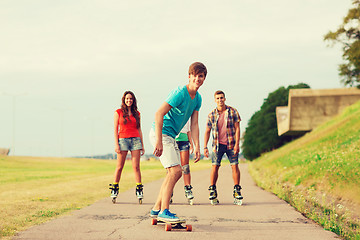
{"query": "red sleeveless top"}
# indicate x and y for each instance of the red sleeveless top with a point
(129, 129)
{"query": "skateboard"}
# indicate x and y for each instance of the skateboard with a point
(172, 225)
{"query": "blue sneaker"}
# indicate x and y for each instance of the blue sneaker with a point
(154, 213)
(167, 216)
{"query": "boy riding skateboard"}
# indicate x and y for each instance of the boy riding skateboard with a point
(182, 103)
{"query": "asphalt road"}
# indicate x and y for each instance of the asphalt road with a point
(262, 215)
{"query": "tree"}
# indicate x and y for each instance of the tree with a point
(348, 34)
(261, 134)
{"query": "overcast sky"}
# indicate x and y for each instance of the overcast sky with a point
(67, 63)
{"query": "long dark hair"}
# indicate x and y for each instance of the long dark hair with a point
(134, 110)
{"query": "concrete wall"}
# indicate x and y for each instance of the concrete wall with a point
(282, 119)
(307, 108)
(4, 151)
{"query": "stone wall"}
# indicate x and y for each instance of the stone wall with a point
(308, 108)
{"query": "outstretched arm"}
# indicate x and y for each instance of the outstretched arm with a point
(206, 140)
(191, 142)
(194, 128)
(159, 118)
(237, 138)
(116, 132)
(142, 152)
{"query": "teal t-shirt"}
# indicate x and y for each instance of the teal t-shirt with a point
(182, 109)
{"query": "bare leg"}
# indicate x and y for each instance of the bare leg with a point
(174, 174)
(135, 157)
(167, 187)
(214, 174)
(157, 205)
(184, 156)
(119, 165)
(236, 174)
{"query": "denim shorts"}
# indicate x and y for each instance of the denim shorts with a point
(170, 156)
(130, 144)
(216, 157)
(183, 145)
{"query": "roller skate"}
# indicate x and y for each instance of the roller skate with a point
(139, 192)
(114, 187)
(237, 195)
(213, 195)
(188, 194)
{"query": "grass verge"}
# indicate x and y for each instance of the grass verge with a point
(319, 174)
(34, 190)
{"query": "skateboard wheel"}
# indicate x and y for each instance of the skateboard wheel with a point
(153, 221)
(167, 227)
(189, 228)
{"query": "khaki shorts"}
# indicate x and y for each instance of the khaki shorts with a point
(171, 155)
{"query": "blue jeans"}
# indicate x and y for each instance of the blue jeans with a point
(216, 157)
(183, 145)
(130, 144)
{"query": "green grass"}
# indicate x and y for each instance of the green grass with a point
(34, 190)
(319, 174)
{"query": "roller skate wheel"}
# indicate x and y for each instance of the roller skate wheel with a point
(191, 202)
(153, 221)
(114, 200)
(238, 202)
(168, 227)
(189, 228)
(214, 201)
(140, 200)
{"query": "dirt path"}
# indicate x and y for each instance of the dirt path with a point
(262, 215)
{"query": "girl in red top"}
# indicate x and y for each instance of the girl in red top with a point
(128, 137)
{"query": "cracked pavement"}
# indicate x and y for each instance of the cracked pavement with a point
(262, 215)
